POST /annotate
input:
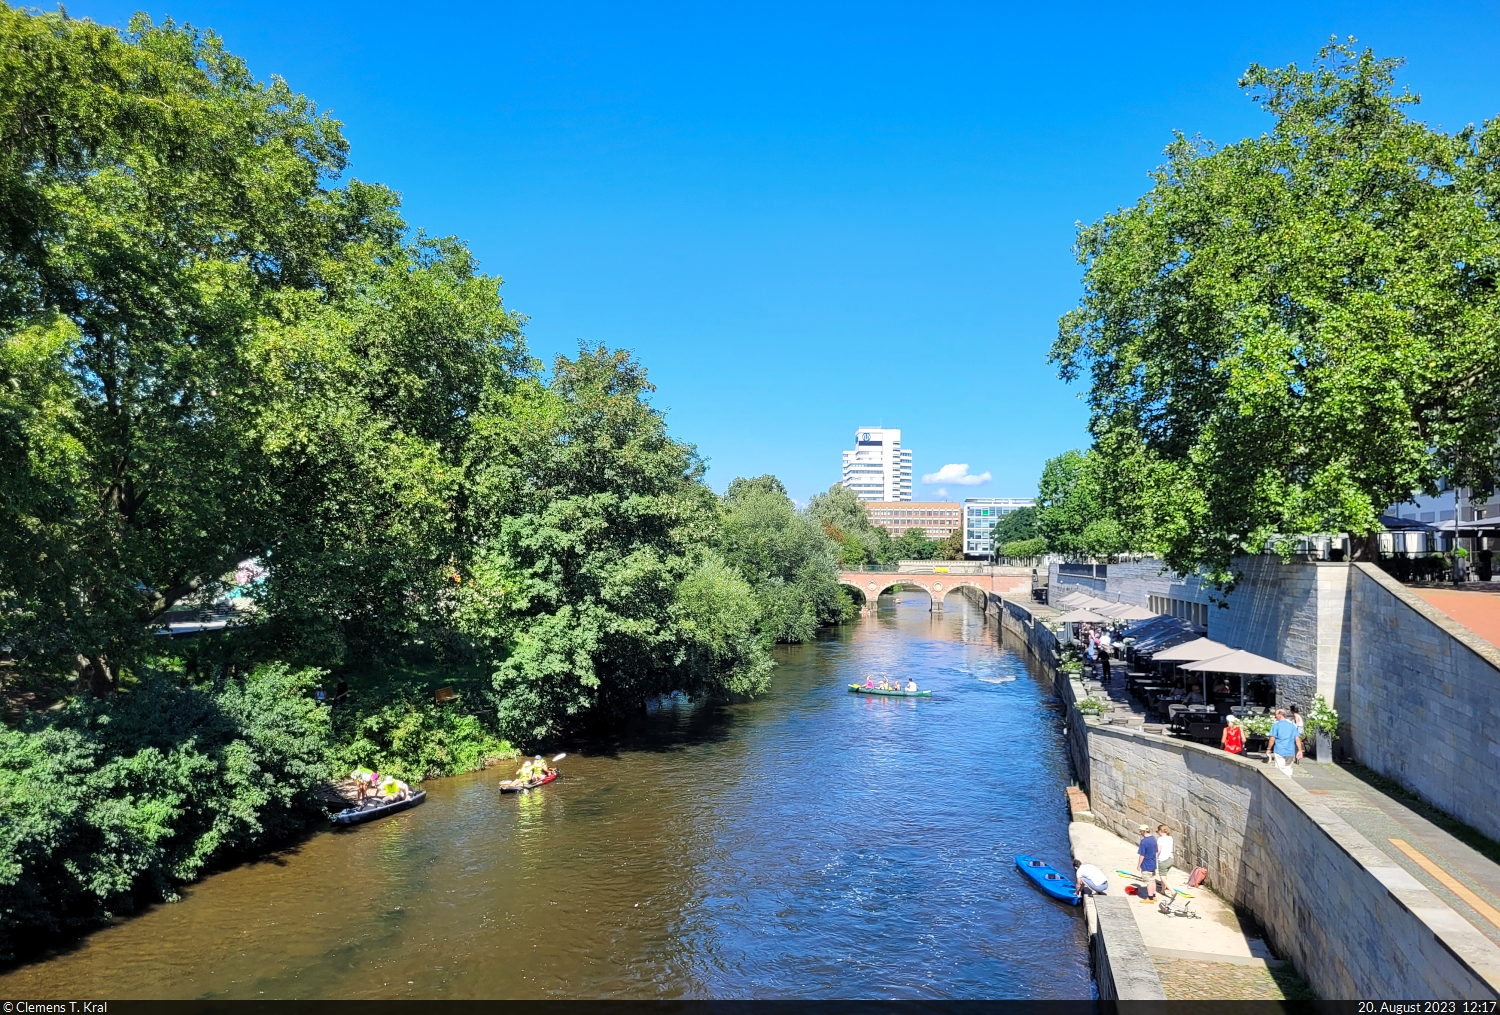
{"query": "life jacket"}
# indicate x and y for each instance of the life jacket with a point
(1234, 740)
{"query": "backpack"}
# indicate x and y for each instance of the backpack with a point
(1196, 878)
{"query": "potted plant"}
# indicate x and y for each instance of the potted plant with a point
(1091, 706)
(1323, 723)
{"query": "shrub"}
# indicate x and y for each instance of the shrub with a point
(112, 802)
(409, 736)
(1091, 706)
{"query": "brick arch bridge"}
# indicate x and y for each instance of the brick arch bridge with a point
(975, 582)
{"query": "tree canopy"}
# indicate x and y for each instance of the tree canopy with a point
(789, 560)
(1288, 333)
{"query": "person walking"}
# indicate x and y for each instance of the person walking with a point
(1145, 862)
(1301, 725)
(1286, 742)
(1106, 645)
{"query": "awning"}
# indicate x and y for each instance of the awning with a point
(1159, 632)
(1478, 525)
(1246, 663)
(1082, 617)
(1192, 651)
(1081, 599)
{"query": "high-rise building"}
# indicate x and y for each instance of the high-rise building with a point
(981, 515)
(878, 468)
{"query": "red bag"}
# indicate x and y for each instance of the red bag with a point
(1130, 889)
(1196, 878)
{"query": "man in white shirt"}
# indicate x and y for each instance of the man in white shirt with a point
(1091, 880)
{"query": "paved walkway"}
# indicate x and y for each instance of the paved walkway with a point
(1207, 957)
(1478, 611)
(1465, 879)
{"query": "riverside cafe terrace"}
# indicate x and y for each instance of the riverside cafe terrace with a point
(1215, 679)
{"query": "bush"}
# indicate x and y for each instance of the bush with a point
(1034, 547)
(1091, 706)
(110, 803)
(407, 735)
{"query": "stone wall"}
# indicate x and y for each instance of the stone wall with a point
(1297, 613)
(1424, 700)
(1354, 923)
(1123, 968)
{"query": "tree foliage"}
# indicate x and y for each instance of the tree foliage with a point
(1074, 513)
(1289, 333)
(1016, 525)
(594, 573)
(108, 804)
(846, 520)
(789, 560)
(209, 351)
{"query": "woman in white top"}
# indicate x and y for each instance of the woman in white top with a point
(1163, 853)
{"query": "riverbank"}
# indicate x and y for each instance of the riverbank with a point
(1355, 922)
(773, 847)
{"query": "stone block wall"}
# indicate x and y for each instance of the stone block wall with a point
(1354, 924)
(1297, 613)
(1424, 700)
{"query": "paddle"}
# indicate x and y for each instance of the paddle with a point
(560, 757)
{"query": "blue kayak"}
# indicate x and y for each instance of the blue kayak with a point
(1048, 879)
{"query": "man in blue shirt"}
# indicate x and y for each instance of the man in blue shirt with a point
(1286, 742)
(1145, 862)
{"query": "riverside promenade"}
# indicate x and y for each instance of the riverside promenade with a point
(1364, 892)
(1207, 957)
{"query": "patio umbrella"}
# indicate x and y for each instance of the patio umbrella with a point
(1079, 599)
(1246, 663)
(1192, 651)
(1082, 617)
(1124, 611)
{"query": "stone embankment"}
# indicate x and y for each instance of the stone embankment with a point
(1356, 921)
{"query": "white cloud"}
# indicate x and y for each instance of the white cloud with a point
(942, 491)
(958, 474)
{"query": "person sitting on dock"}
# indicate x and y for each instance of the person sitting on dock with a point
(911, 685)
(1091, 880)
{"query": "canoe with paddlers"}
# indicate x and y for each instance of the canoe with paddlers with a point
(532, 774)
(378, 807)
(887, 693)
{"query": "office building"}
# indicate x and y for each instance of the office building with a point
(878, 469)
(937, 519)
(980, 515)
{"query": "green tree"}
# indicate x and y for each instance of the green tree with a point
(1073, 514)
(790, 562)
(594, 581)
(208, 351)
(842, 514)
(951, 546)
(1017, 525)
(1289, 333)
(914, 545)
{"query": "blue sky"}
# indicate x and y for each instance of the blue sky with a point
(813, 217)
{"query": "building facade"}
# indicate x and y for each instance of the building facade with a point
(936, 519)
(878, 469)
(980, 515)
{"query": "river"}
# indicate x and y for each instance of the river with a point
(810, 844)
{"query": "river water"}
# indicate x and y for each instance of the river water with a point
(810, 844)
